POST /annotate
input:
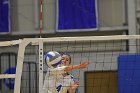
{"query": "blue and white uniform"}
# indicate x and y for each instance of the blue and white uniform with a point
(55, 82)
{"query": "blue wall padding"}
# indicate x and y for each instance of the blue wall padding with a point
(10, 81)
(129, 74)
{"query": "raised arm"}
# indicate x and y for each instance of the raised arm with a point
(76, 67)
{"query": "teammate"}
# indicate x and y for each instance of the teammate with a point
(54, 80)
(73, 85)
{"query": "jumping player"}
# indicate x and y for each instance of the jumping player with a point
(54, 79)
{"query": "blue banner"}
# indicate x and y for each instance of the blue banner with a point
(77, 15)
(4, 16)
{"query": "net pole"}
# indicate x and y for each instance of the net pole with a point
(40, 67)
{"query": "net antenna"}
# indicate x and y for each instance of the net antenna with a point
(23, 43)
(41, 17)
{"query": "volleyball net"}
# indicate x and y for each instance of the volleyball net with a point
(113, 63)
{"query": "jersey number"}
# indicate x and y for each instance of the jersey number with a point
(59, 88)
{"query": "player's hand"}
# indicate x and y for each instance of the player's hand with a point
(75, 85)
(83, 65)
(80, 66)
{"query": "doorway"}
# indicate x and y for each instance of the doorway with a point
(101, 82)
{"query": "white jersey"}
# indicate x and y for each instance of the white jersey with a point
(65, 83)
(55, 82)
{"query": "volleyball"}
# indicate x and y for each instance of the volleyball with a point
(53, 59)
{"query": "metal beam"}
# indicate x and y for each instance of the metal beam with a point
(131, 5)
